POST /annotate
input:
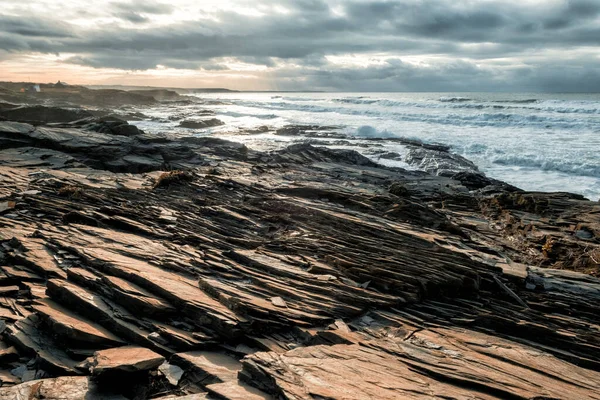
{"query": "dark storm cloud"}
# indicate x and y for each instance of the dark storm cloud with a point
(455, 76)
(32, 27)
(144, 7)
(395, 75)
(478, 22)
(412, 26)
(461, 32)
(136, 11)
(132, 17)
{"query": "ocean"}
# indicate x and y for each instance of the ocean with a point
(539, 142)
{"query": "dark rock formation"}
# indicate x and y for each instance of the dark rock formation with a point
(299, 274)
(201, 124)
(111, 148)
(40, 115)
(302, 152)
(313, 131)
(74, 95)
(119, 128)
(438, 161)
(133, 116)
(157, 94)
(390, 155)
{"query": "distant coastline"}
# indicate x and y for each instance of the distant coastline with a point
(197, 90)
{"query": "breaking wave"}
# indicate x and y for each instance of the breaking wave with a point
(356, 100)
(238, 115)
(490, 116)
(523, 101)
(546, 164)
(457, 99)
(525, 105)
(367, 131)
(540, 141)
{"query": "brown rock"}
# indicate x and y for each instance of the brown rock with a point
(208, 367)
(27, 337)
(278, 301)
(73, 327)
(353, 291)
(62, 388)
(124, 359)
(235, 390)
(7, 379)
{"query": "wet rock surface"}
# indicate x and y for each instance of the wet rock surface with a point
(158, 94)
(310, 131)
(40, 115)
(143, 266)
(438, 161)
(200, 124)
(109, 147)
(73, 95)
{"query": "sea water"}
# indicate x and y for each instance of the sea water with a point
(541, 142)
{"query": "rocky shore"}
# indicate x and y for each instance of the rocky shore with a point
(146, 266)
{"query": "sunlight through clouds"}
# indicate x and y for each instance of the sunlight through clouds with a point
(305, 42)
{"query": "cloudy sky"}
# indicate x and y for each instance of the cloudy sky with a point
(349, 45)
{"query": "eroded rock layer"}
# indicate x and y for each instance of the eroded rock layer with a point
(306, 273)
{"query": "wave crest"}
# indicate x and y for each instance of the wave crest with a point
(544, 164)
(367, 131)
(457, 99)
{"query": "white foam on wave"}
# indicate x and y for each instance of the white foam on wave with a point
(241, 114)
(549, 139)
(367, 131)
(540, 162)
(454, 99)
(421, 112)
(527, 105)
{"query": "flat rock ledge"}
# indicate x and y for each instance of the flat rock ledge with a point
(137, 266)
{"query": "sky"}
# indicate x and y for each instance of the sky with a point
(335, 45)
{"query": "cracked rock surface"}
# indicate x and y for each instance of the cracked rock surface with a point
(305, 273)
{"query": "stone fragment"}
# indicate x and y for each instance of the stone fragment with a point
(27, 337)
(173, 373)
(195, 396)
(74, 327)
(6, 205)
(124, 360)
(235, 390)
(209, 367)
(20, 273)
(278, 302)
(342, 326)
(30, 192)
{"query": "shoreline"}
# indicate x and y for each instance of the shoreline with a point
(509, 137)
(300, 273)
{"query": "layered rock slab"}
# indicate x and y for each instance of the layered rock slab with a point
(63, 388)
(320, 256)
(124, 359)
(425, 366)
